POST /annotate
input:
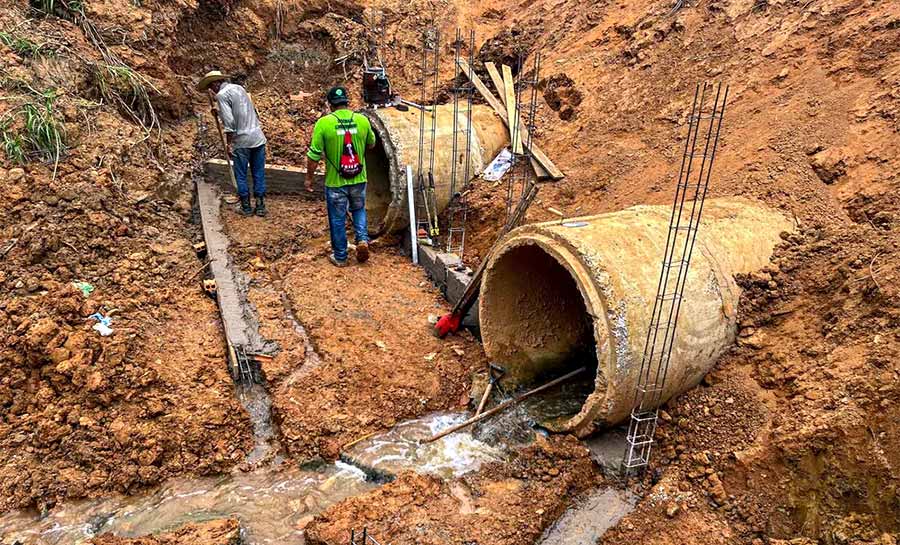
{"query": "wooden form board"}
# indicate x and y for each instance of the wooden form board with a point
(217, 252)
(500, 109)
(497, 80)
(512, 114)
(280, 180)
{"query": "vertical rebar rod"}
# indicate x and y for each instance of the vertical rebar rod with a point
(453, 158)
(434, 97)
(699, 200)
(657, 357)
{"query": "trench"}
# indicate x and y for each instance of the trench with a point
(272, 502)
(272, 498)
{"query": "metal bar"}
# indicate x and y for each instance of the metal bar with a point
(411, 197)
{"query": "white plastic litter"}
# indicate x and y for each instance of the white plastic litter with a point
(498, 166)
(103, 329)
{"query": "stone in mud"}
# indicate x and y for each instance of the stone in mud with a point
(214, 532)
(829, 165)
(15, 175)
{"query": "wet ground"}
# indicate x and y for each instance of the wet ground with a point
(272, 503)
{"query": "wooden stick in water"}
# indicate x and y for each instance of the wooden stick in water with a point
(519, 398)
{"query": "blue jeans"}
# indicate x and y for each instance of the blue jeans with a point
(255, 158)
(338, 200)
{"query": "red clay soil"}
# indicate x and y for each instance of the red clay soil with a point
(213, 532)
(378, 363)
(794, 436)
(82, 414)
(504, 502)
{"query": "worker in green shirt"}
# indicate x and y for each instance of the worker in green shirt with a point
(342, 138)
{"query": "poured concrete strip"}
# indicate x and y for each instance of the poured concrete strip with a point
(280, 180)
(441, 267)
(590, 518)
(557, 293)
(227, 293)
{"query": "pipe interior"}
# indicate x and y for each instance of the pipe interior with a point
(378, 188)
(540, 323)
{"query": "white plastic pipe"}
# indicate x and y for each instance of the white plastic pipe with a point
(413, 235)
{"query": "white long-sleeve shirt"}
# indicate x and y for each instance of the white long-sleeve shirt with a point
(239, 117)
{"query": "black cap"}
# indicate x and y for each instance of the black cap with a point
(337, 96)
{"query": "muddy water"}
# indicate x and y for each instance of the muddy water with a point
(590, 517)
(401, 449)
(273, 503)
(258, 404)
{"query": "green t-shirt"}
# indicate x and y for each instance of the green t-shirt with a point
(328, 138)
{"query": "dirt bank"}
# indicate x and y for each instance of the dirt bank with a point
(214, 532)
(503, 503)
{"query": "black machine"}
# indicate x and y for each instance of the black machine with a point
(376, 87)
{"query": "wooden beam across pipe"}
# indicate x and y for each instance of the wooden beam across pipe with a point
(539, 171)
(280, 180)
(500, 109)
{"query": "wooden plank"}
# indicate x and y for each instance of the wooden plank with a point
(539, 171)
(500, 109)
(512, 113)
(497, 79)
(280, 180)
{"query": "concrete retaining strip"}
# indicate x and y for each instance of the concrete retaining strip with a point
(280, 180)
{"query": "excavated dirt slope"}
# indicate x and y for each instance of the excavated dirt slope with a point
(794, 436)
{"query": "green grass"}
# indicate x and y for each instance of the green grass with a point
(44, 133)
(122, 85)
(25, 47)
(67, 9)
(41, 133)
(13, 146)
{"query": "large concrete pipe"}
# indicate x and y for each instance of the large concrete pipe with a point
(558, 294)
(398, 146)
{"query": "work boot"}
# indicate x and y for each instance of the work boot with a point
(260, 207)
(335, 262)
(362, 252)
(246, 210)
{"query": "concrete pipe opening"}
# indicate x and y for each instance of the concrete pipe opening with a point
(397, 135)
(543, 328)
(556, 296)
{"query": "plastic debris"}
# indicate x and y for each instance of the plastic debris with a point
(102, 325)
(498, 167)
(85, 288)
(103, 329)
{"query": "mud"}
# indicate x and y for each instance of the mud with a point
(793, 438)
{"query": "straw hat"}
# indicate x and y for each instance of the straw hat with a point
(210, 77)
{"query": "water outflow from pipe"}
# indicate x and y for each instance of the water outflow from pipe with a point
(556, 295)
(398, 145)
(273, 503)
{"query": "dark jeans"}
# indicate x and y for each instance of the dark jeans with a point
(339, 199)
(255, 158)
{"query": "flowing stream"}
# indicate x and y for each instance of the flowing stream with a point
(273, 503)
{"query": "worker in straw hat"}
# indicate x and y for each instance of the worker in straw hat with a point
(246, 143)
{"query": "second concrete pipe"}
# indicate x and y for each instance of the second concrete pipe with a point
(559, 295)
(398, 145)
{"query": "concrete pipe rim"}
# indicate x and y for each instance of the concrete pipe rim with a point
(396, 177)
(591, 297)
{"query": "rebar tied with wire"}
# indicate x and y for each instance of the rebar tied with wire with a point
(458, 209)
(682, 234)
(426, 214)
(520, 175)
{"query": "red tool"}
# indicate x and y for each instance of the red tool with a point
(450, 323)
